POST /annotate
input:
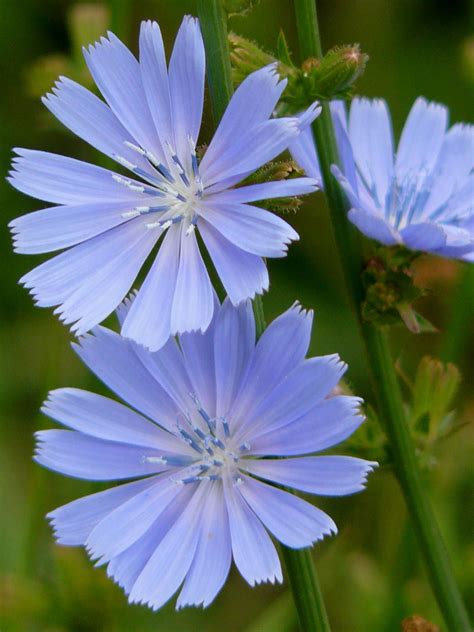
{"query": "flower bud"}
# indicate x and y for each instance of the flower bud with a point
(335, 73)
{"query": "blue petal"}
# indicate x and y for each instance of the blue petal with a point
(296, 394)
(213, 556)
(371, 135)
(243, 275)
(115, 362)
(103, 418)
(75, 454)
(198, 353)
(294, 522)
(193, 302)
(452, 171)
(168, 368)
(327, 424)
(250, 228)
(282, 346)
(60, 227)
(424, 236)
(264, 191)
(322, 475)
(374, 227)
(253, 148)
(167, 567)
(127, 566)
(154, 76)
(63, 180)
(92, 120)
(117, 75)
(234, 342)
(422, 137)
(251, 104)
(254, 553)
(127, 523)
(186, 83)
(72, 523)
(303, 151)
(103, 267)
(144, 322)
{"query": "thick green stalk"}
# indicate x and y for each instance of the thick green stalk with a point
(384, 379)
(306, 592)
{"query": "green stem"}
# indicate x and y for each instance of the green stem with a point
(306, 592)
(384, 379)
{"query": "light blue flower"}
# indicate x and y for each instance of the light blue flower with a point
(422, 195)
(109, 224)
(210, 420)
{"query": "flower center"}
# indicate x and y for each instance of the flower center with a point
(406, 197)
(215, 454)
(174, 189)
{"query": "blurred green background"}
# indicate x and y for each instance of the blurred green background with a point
(371, 574)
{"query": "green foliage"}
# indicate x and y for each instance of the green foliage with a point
(332, 77)
(390, 290)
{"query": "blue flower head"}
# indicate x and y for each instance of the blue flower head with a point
(214, 423)
(109, 223)
(422, 196)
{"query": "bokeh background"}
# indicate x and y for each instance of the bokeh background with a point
(371, 574)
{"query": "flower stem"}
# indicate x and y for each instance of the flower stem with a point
(212, 18)
(384, 379)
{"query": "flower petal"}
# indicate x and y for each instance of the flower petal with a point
(193, 302)
(198, 353)
(303, 151)
(92, 120)
(167, 567)
(72, 523)
(421, 138)
(254, 553)
(127, 566)
(251, 104)
(116, 73)
(250, 228)
(294, 396)
(374, 227)
(75, 454)
(60, 227)
(148, 320)
(282, 346)
(213, 556)
(115, 362)
(292, 521)
(243, 275)
(103, 418)
(253, 148)
(424, 236)
(127, 523)
(322, 475)
(265, 191)
(103, 267)
(328, 423)
(234, 342)
(154, 76)
(371, 135)
(186, 83)
(61, 180)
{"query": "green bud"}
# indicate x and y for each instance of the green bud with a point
(435, 387)
(246, 57)
(335, 74)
